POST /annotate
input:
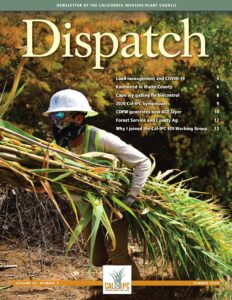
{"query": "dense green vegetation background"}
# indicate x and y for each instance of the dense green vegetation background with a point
(205, 155)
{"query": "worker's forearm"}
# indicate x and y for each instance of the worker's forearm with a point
(131, 157)
(140, 176)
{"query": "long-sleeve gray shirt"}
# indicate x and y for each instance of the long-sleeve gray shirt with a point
(131, 157)
(112, 144)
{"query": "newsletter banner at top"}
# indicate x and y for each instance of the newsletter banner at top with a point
(117, 5)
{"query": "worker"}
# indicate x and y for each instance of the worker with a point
(69, 110)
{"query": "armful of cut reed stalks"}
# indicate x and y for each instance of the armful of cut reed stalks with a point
(168, 221)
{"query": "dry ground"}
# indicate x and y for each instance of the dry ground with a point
(33, 263)
(33, 237)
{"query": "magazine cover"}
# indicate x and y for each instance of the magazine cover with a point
(115, 150)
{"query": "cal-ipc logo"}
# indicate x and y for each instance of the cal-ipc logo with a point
(116, 279)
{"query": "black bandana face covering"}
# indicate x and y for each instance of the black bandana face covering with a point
(64, 136)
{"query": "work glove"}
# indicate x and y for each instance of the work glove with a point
(128, 201)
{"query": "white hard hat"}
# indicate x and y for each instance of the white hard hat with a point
(70, 100)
